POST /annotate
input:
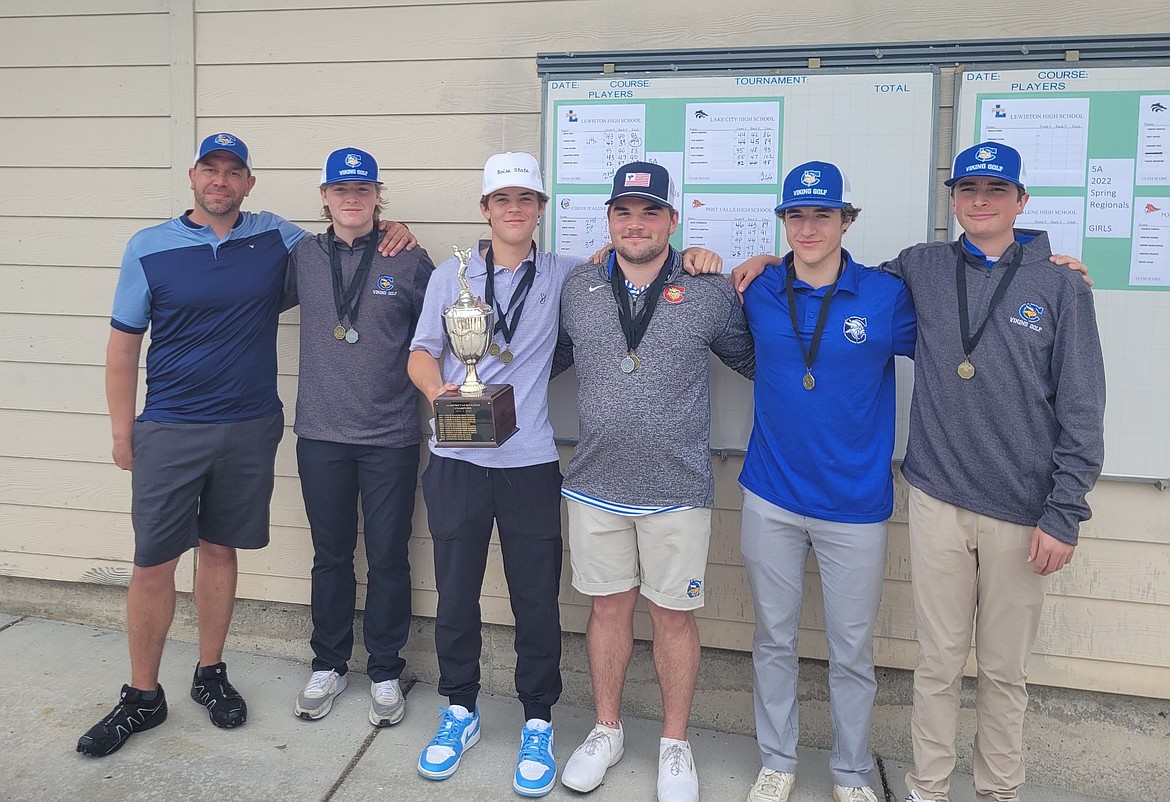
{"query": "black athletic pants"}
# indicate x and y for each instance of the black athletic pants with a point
(333, 475)
(462, 502)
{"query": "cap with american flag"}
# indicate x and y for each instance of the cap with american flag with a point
(643, 180)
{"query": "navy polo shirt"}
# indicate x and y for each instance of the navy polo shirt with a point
(826, 452)
(211, 306)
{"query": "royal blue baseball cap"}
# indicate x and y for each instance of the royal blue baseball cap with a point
(349, 164)
(993, 159)
(643, 180)
(228, 143)
(815, 184)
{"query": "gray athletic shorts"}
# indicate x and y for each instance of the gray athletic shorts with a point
(201, 481)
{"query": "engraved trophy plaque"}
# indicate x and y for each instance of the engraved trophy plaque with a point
(477, 415)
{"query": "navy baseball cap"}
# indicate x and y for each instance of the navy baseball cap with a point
(349, 164)
(815, 184)
(226, 142)
(643, 180)
(993, 159)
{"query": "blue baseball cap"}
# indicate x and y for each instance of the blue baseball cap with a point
(993, 159)
(643, 180)
(228, 143)
(349, 164)
(815, 184)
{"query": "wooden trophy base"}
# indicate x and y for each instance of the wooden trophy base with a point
(475, 421)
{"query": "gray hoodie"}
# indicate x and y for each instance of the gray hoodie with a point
(1021, 441)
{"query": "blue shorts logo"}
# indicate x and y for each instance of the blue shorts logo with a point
(385, 283)
(854, 329)
(810, 177)
(985, 154)
(694, 589)
(1031, 312)
(352, 160)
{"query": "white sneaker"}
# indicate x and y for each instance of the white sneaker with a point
(678, 779)
(586, 767)
(863, 793)
(772, 786)
(914, 796)
(316, 700)
(387, 704)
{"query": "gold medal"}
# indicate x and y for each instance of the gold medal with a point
(339, 332)
(809, 382)
(966, 369)
(494, 349)
(506, 356)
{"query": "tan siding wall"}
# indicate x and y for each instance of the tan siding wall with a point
(115, 100)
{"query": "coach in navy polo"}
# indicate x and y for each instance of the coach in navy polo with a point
(208, 286)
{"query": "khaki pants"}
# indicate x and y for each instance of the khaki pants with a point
(970, 570)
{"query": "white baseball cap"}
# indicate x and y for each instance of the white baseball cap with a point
(512, 170)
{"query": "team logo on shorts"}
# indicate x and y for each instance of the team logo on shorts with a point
(694, 588)
(810, 177)
(1031, 312)
(855, 329)
(352, 160)
(674, 293)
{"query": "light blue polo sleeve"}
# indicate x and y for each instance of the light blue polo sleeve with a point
(291, 233)
(132, 296)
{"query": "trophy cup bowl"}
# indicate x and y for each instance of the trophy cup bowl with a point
(477, 415)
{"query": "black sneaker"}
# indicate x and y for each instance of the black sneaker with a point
(211, 688)
(132, 714)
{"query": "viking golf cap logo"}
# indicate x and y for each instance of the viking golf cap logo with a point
(224, 139)
(810, 178)
(352, 159)
(985, 154)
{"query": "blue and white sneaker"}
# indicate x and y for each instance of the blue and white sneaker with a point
(458, 732)
(536, 770)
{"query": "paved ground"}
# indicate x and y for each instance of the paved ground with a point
(61, 678)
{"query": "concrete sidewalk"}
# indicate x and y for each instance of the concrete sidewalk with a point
(64, 677)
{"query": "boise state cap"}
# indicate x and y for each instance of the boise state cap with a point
(226, 142)
(993, 159)
(509, 169)
(349, 164)
(643, 180)
(820, 184)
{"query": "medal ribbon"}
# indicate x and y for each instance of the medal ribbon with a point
(634, 327)
(519, 295)
(969, 340)
(809, 354)
(347, 301)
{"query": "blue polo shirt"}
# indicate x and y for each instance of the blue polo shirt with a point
(826, 452)
(211, 306)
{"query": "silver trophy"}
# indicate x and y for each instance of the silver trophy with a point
(477, 415)
(469, 322)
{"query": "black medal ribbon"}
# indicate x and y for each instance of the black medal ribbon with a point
(634, 326)
(971, 340)
(347, 300)
(519, 295)
(810, 353)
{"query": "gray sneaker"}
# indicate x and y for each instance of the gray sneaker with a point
(387, 704)
(316, 700)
